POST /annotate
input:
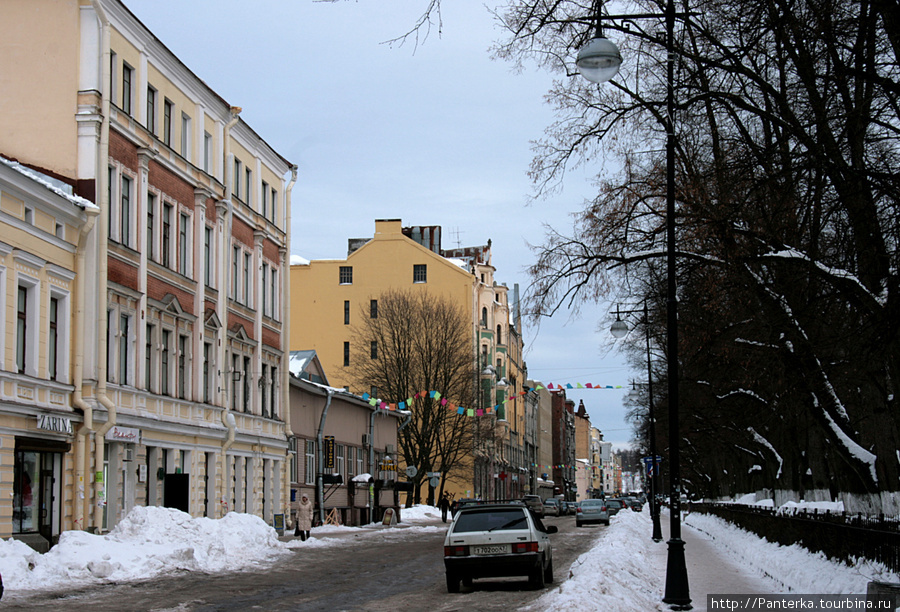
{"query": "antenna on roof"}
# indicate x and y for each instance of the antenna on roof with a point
(458, 243)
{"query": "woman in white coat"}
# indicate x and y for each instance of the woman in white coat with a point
(304, 517)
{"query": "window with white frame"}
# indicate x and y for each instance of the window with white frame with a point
(236, 376)
(236, 180)
(360, 456)
(166, 249)
(165, 352)
(125, 210)
(184, 244)
(265, 292)
(248, 186)
(264, 390)
(351, 462)
(295, 460)
(264, 205)
(127, 87)
(274, 305)
(168, 109)
(186, 136)
(273, 394)
(113, 76)
(208, 369)
(208, 256)
(184, 358)
(420, 273)
(339, 459)
(151, 110)
(247, 385)
(310, 463)
(149, 357)
(26, 327)
(247, 270)
(53, 339)
(207, 150)
(125, 354)
(235, 272)
(274, 206)
(151, 227)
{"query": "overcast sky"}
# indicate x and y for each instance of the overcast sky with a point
(433, 134)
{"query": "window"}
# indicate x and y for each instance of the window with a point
(29, 215)
(499, 335)
(346, 353)
(22, 329)
(310, 463)
(264, 205)
(273, 396)
(237, 177)
(273, 281)
(182, 370)
(484, 317)
(207, 150)
(185, 136)
(207, 256)
(125, 217)
(420, 273)
(151, 110)
(247, 279)
(248, 186)
(235, 272)
(359, 461)
(274, 206)
(53, 339)
(339, 459)
(373, 349)
(127, 77)
(246, 379)
(151, 226)
(346, 275)
(235, 380)
(183, 246)
(164, 363)
(167, 122)
(207, 363)
(166, 234)
(263, 391)
(265, 293)
(124, 330)
(373, 309)
(148, 357)
(346, 312)
(113, 82)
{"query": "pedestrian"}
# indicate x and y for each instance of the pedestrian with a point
(304, 518)
(444, 505)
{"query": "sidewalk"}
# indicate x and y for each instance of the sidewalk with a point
(709, 569)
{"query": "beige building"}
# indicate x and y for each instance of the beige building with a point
(177, 384)
(544, 484)
(328, 295)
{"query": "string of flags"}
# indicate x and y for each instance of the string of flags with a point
(436, 395)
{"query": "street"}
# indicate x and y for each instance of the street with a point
(377, 570)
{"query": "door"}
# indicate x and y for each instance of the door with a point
(47, 498)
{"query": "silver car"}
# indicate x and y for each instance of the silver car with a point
(591, 511)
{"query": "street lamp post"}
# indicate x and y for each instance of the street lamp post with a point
(598, 62)
(619, 329)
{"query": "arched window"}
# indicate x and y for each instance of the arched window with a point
(484, 317)
(499, 335)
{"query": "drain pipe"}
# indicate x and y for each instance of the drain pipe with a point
(81, 436)
(320, 491)
(286, 341)
(228, 419)
(102, 197)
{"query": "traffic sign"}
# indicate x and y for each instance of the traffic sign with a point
(411, 471)
(435, 482)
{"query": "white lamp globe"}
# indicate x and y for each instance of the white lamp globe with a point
(619, 329)
(599, 60)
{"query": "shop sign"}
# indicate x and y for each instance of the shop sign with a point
(328, 443)
(54, 423)
(124, 434)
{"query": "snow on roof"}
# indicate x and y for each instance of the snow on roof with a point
(58, 187)
(296, 260)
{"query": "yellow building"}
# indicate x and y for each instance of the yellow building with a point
(328, 296)
(178, 384)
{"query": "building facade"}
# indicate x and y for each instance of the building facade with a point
(334, 293)
(178, 383)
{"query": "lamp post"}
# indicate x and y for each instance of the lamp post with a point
(619, 329)
(598, 62)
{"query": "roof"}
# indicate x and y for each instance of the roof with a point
(56, 186)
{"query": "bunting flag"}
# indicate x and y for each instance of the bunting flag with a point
(436, 395)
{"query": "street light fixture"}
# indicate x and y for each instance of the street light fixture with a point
(677, 592)
(619, 330)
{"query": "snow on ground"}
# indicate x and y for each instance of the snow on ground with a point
(614, 575)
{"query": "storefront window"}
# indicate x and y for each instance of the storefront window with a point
(25, 492)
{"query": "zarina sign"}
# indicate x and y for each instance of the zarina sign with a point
(54, 423)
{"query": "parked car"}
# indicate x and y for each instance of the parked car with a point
(591, 511)
(634, 503)
(614, 505)
(535, 503)
(551, 506)
(492, 540)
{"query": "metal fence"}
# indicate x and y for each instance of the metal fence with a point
(837, 535)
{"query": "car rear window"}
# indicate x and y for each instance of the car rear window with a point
(491, 520)
(591, 502)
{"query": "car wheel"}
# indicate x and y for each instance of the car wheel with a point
(577, 524)
(606, 522)
(537, 577)
(548, 573)
(452, 582)
(467, 581)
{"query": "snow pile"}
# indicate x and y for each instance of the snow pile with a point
(148, 542)
(614, 575)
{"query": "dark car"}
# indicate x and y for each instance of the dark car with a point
(614, 505)
(535, 503)
(492, 540)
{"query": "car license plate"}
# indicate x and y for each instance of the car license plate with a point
(493, 549)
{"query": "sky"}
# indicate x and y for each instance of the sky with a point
(434, 133)
(622, 572)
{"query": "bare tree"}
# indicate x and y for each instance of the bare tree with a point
(417, 344)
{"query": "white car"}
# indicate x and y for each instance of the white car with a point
(489, 540)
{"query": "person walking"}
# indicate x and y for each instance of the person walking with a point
(304, 517)
(444, 505)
